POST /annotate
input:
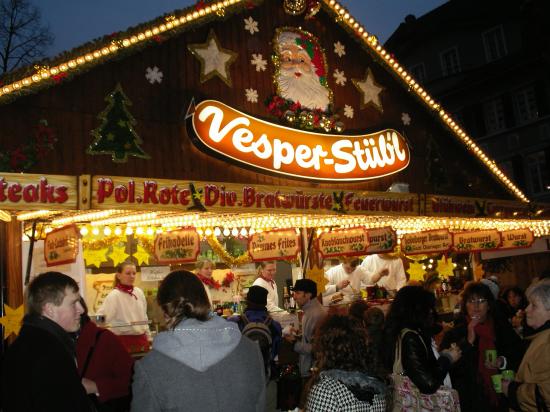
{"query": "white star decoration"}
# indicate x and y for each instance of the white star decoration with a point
(339, 77)
(258, 61)
(251, 95)
(153, 75)
(251, 25)
(348, 111)
(339, 49)
(370, 91)
(215, 60)
(406, 119)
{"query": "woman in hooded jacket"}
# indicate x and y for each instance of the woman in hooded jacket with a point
(346, 374)
(198, 350)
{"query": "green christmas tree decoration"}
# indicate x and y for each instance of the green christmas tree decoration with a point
(116, 135)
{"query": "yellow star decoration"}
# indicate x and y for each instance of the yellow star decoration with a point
(370, 91)
(416, 271)
(12, 320)
(95, 257)
(118, 255)
(445, 267)
(214, 59)
(318, 276)
(141, 256)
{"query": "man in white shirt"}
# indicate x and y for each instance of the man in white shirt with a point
(394, 278)
(266, 272)
(349, 277)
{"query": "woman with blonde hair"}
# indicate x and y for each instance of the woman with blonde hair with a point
(202, 362)
(125, 310)
(203, 270)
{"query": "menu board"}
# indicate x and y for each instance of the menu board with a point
(274, 245)
(343, 242)
(429, 241)
(61, 246)
(177, 246)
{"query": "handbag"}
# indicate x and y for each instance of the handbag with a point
(407, 397)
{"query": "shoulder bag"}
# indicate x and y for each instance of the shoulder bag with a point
(407, 397)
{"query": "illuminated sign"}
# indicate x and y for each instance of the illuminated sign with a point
(343, 242)
(475, 241)
(274, 245)
(177, 246)
(283, 150)
(61, 246)
(429, 241)
(517, 238)
(381, 240)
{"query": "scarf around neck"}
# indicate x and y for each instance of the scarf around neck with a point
(486, 335)
(209, 281)
(129, 289)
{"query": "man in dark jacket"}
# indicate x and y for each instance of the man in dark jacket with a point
(39, 369)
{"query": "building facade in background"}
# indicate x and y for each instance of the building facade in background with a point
(488, 63)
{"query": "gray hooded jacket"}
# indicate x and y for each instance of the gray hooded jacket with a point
(200, 366)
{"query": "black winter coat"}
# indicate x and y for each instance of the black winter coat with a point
(420, 364)
(39, 373)
(464, 373)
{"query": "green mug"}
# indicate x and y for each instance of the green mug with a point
(508, 375)
(497, 382)
(491, 356)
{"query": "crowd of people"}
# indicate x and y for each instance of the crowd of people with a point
(495, 356)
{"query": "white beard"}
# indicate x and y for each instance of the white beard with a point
(305, 89)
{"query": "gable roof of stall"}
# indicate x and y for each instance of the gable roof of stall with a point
(155, 65)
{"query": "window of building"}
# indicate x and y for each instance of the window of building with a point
(419, 72)
(493, 113)
(525, 105)
(513, 141)
(494, 44)
(538, 172)
(544, 131)
(450, 63)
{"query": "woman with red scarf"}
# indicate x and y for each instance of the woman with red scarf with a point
(125, 310)
(482, 332)
(203, 270)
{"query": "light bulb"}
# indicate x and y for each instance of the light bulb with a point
(118, 231)
(208, 232)
(234, 232)
(95, 231)
(217, 231)
(139, 231)
(107, 231)
(83, 230)
(129, 230)
(226, 232)
(244, 232)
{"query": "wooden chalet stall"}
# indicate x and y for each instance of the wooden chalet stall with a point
(236, 117)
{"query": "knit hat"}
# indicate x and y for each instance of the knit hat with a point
(257, 295)
(492, 284)
(306, 285)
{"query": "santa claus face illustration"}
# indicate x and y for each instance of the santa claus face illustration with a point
(301, 69)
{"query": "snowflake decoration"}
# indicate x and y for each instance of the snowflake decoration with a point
(153, 75)
(251, 95)
(339, 77)
(251, 25)
(339, 49)
(406, 119)
(348, 111)
(258, 61)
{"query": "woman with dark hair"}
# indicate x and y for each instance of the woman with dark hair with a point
(480, 331)
(125, 310)
(411, 323)
(201, 363)
(344, 377)
(514, 303)
(104, 365)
